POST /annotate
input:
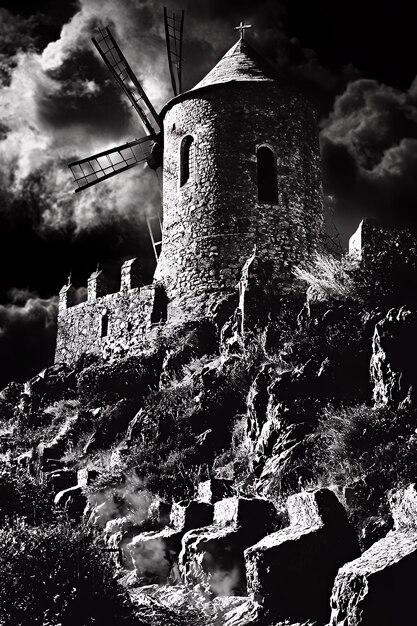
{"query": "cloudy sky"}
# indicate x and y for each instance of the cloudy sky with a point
(58, 103)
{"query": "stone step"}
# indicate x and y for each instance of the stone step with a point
(290, 573)
(154, 554)
(377, 589)
(213, 556)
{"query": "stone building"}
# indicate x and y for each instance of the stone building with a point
(241, 167)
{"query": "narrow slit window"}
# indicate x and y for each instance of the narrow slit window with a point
(160, 306)
(104, 325)
(267, 176)
(187, 160)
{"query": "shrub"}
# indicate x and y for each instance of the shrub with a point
(57, 575)
(371, 451)
(31, 428)
(328, 276)
(21, 495)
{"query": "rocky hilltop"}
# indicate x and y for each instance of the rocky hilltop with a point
(257, 470)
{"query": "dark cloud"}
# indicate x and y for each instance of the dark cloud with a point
(369, 148)
(27, 335)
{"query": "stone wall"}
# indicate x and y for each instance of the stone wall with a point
(124, 318)
(374, 240)
(213, 221)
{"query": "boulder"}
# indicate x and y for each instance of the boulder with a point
(154, 555)
(377, 589)
(394, 346)
(213, 556)
(73, 501)
(61, 479)
(159, 512)
(86, 476)
(290, 572)
(214, 489)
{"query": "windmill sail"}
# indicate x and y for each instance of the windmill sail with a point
(124, 76)
(103, 165)
(174, 26)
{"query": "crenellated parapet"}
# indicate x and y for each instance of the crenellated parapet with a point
(107, 324)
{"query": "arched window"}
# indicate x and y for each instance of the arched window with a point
(186, 159)
(104, 325)
(267, 175)
(160, 306)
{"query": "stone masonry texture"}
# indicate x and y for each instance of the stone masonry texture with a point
(213, 221)
(128, 315)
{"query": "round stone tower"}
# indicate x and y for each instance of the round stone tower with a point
(241, 167)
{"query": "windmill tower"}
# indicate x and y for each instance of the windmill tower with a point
(241, 167)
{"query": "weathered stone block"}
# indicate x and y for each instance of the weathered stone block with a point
(190, 514)
(242, 511)
(378, 588)
(86, 476)
(154, 554)
(159, 512)
(213, 556)
(213, 490)
(73, 501)
(62, 479)
(290, 573)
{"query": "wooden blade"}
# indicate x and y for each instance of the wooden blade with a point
(124, 76)
(155, 232)
(103, 165)
(174, 26)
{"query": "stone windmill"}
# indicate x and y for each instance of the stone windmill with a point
(240, 166)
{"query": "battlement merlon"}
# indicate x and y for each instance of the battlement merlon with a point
(96, 286)
(67, 298)
(130, 278)
(131, 275)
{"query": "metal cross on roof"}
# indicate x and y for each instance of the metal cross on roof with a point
(242, 26)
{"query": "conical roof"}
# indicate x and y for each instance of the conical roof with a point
(240, 63)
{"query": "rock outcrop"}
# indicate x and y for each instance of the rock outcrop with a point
(378, 588)
(214, 489)
(393, 371)
(290, 572)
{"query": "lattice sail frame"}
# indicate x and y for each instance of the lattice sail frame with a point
(174, 26)
(124, 76)
(103, 165)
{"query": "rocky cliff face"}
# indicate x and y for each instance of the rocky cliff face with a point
(239, 467)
